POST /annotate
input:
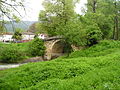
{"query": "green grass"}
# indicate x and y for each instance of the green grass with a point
(95, 68)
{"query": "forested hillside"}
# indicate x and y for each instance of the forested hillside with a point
(24, 25)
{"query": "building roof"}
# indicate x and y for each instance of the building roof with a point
(6, 33)
(28, 33)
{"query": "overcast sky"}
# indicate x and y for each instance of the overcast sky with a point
(33, 8)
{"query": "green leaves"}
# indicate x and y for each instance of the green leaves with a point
(56, 14)
(18, 34)
(36, 47)
(11, 54)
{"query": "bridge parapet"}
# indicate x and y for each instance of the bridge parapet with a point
(53, 38)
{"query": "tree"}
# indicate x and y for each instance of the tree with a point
(57, 13)
(9, 8)
(59, 18)
(18, 34)
(116, 19)
(2, 28)
(107, 13)
(32, 28)
(92, 5)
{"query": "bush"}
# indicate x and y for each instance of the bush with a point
(36, 47)
(11, 54)
(94, 34)
(17, 35)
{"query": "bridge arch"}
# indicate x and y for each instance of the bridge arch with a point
(57, 49)
(54, 48)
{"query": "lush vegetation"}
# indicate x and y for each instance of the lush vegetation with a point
(15, 52)
(100, 21)
(95, 68)
(36, 47)
(17, 34)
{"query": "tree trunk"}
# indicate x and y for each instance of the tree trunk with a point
(94, 6)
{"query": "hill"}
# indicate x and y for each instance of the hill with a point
(23, 25)
(95, 68)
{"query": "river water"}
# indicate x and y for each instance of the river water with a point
(7, 66)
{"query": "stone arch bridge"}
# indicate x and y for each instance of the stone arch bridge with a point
(54, 47)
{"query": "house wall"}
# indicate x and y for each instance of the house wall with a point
(27, 37)
(24, 37)
(6, 38)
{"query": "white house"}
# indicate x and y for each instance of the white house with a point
(6, 37)
(25, 36)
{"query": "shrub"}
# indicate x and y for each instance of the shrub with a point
(11, 54)
(36, 47)
(94, 34)
(17, 35)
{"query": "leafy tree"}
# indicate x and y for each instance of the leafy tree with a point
(18, 34)
(39, 28)
(9, 8)
(2, 28)
(32, 28)
(57, 13)
(108, 19)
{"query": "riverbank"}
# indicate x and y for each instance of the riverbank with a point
(4, 66)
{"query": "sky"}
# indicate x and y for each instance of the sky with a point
(33, 8)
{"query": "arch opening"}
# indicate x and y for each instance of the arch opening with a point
(57, 49)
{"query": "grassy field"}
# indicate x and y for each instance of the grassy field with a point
(95, 68)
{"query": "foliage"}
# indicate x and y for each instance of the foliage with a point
(104, 48)
(2, 28)
(81, 72)
(32, 28)
(40, 28)
(9, 9)
(36, 47)
(56, 14)
(105, 24)
(18, 34)
(11, 54)
(59, 18)
(93, 35)
(107, 12)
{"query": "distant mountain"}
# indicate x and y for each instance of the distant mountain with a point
(23, 25)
